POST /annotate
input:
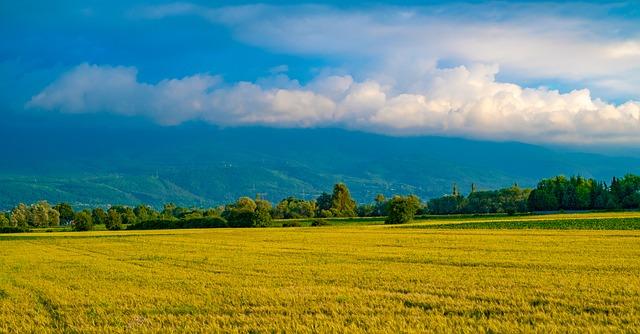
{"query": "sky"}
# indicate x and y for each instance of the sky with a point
(563, 73)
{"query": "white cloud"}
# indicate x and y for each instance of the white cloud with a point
(460, 101)
(530, 42)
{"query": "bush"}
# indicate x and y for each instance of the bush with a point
(319, 222)
(82, 221)
(402, 209)
(291, 224)
(164, 224)
(13, 229)
(246, 212)
(113, 220)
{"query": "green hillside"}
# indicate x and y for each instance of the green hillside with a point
(202, 165)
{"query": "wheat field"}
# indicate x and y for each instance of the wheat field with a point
(321, 279)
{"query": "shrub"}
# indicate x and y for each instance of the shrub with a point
(13, 229)
(113, 220)
(319, 222)
(165, 224)
(402, 209)
(82, 221)
(246, 212)
(291, 224)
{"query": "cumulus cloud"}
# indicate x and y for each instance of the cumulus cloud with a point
(458, 101)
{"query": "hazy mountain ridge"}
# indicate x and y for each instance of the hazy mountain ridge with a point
(197, 164)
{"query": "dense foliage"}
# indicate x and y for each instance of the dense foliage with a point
(294, 208)
(82, 221)
(508, 200)
(402, 209)
(39, 214)
(577, 193)
(162, 224)
(246, 212)
(554, 194)
(13, 229)
(338, 204)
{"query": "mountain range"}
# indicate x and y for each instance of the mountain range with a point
(197, 164)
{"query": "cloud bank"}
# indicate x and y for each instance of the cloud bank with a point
(530, 42)
(458, 101)
(455, 70)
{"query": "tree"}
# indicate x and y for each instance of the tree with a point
(145, 212)
(214, 212)
(82, 221)
(246, 212)
(402, 209)
(342, 205)
(600, 196)
(168, 211)
(128, 216)
(113, 220)
(629, 192)
(447, 204)
(262, 213)
(19, 216)
(66, 212)
(323, 205)
(292, 208)
(4, 220)
(381, 205)
(240, 213)
(99, 216)
(39, 216)
(366, 210)
(54, 217)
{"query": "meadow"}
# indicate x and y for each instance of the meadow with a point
(354, 276)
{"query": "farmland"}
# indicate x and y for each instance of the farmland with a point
(351, 277)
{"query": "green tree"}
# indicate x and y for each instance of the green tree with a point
(82, 221)
(246, 212)
(113, 220)
(402, 209)
(99, 216)
(629, 192)
(39, 216)
(54, 217)
(20, 216)
(342, 205)
(145, 212)
(293, 208)
(447, 204)
(366, 210)
(4, 220)
(193, 214)
(323, 205)
(66, 212)
(168, 211)
(240, 213)
(381, 205)
(128, 216)
(214, 212)
(262, 213)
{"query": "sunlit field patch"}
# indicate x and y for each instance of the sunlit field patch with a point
(322, 279)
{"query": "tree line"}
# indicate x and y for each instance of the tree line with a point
(553, 194)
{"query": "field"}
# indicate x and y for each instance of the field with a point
(348, 278)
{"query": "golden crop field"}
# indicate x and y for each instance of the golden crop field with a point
(321, 279)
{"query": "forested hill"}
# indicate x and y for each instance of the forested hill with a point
(197, 164)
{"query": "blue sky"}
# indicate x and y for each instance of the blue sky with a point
(563, 73)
